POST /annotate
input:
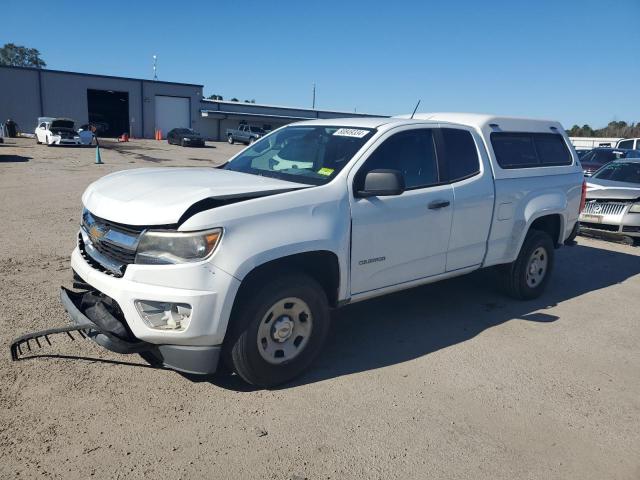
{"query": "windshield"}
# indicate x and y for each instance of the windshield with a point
(601, 156)
(620, 172)
(304, 154)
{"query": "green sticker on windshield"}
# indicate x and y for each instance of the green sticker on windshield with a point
(325, 171)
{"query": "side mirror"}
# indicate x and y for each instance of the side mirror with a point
(382, 183)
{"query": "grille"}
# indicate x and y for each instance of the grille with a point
(631, 229)
(117, 253)
(604, 208)
(600, 226)
(115, 243)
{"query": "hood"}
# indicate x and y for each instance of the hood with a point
(160, 196)
(612, 190)
(60, 123)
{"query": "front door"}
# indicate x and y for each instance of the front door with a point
(397, 239)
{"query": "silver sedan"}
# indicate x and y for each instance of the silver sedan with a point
(613, 199)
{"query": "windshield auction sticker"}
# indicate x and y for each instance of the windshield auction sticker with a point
(325, 171)
(350, 132)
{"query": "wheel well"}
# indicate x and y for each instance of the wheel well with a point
(549, 224)
(321, 265)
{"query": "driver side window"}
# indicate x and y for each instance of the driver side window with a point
(412, 152)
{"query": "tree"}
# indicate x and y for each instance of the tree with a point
(19, 56)
(587, 131)
(215, 97)
(234, 99)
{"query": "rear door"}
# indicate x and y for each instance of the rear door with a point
(397, 239)
(465, 166)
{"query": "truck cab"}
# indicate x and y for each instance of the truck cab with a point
(244, 262)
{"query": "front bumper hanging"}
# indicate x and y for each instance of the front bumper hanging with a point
(102, 328)
(92, 316)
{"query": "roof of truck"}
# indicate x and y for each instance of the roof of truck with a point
(482, 120)
(475, 120)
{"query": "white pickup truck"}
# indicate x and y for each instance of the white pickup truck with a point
(195, 266)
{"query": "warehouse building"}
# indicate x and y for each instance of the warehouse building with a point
(135, 106)
(117, 104)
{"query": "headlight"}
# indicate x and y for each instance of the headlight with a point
(186, 139)
(635, 208)
(161, 248)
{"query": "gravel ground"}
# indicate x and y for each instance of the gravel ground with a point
(451, 380)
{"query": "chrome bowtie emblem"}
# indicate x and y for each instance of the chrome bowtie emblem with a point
(597, 209)
(98, 231)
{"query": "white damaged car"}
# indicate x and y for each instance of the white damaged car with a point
(57, 131)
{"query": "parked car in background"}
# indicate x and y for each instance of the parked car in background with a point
(245, 262)
(596, 158)
(185, 137)
(582, 151)
(57, 131)
(245, 134)
(631, 143)
(613, 199)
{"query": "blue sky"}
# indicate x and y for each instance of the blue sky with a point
(575, 61)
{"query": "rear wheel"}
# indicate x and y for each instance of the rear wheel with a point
(37, 141)
(279, 330)
(571, 239)
(230, 139)
(527, 277)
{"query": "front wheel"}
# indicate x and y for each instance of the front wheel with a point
(230, 139)
(251, 140)
(527, 277)
(279, 330)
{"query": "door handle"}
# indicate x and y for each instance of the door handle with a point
(436, 204)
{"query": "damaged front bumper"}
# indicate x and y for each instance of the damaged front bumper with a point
(94, 316)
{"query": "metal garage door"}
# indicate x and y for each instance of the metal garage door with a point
(172, 112)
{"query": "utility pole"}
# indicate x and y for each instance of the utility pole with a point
(313, 102)
(155, 73)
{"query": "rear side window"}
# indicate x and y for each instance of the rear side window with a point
(527, 150)
(460, 153)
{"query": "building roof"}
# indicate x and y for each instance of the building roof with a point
(102, 76)
(282, 107)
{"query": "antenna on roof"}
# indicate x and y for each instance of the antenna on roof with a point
(415, 109)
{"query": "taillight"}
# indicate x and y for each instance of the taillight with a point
(583, 198)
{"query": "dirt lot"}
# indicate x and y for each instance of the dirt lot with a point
(451, 380)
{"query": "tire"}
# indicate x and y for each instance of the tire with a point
(182, 143)
(523, 279)
(571, 239)
(230, 139)
(264, 355)
(251, 140)
(37, 141)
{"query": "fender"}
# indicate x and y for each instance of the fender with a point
(547, 203)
